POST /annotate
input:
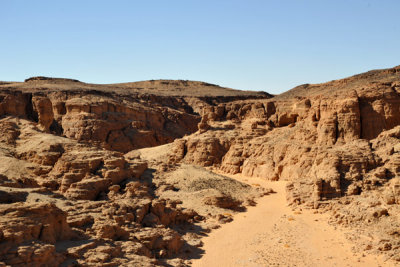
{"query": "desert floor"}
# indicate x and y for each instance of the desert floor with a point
(272, 234)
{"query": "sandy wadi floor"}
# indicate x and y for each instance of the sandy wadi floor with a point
(272, 234)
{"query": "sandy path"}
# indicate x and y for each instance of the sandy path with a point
(271, 234)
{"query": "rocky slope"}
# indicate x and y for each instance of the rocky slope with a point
(70, 196)
(126, 173)
(337, 144)
(119, 117)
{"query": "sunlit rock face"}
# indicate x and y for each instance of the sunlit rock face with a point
(71, 194)
(76, 187)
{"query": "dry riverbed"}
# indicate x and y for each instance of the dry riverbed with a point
(272, 234)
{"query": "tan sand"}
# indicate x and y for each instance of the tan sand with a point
(271, 234)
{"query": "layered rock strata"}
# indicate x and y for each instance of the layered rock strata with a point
(69, 195)
(70, 170)
(331, 141)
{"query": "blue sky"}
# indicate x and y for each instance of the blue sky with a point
(254, 45)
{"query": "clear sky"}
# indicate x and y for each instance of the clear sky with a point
(248, 44)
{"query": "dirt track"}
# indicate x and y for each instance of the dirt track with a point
(271, 234)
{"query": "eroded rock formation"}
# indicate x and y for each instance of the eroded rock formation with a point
(70, 168)
(332, 141)
(68, 193)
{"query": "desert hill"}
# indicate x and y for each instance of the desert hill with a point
(177, 88)
(136, 174)
(356, 82)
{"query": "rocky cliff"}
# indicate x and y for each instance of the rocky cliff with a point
(336, 143)
(68, 193)
(73, 169)
(118, 117)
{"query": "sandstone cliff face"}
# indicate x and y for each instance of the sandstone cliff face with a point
(68, 193)
(66, 202)
(70, 168)
(120, 117)
(29, 233)
(113, 124)
(295, 138)
(331, 141)
(61, 201)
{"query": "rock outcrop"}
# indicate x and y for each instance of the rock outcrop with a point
(70, 196)
(75, 189)
(331, 141)
(120, 117)
(29, 233)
